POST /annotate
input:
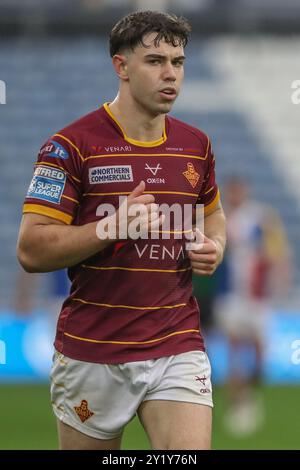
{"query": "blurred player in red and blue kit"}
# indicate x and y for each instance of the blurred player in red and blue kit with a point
(128, 336)
(254, 273)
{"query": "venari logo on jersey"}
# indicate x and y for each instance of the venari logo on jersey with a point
(110, 174)
(111, 148)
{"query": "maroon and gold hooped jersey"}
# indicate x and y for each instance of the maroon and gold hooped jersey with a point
(133, 300)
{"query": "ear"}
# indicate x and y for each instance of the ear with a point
(120, 66)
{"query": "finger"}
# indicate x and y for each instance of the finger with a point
(201, 272)
(142, 199)
(137, 191)
(155, 224)
(146, 220)
(152, 216)
(203, 266)
(153, 207)
(138, 210)
(198, 238)
(151, 211)
(202, 257)
(140, 207)
(203, 241)
(205, 248)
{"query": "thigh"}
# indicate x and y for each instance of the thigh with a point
(177, 409)
(94, 400)
(184, 377)
(71, 439)
(176, 425)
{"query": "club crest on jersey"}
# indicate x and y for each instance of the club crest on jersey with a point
(191, 175)
(83, 411)
(54, 149)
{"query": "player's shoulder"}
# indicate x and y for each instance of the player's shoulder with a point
(190, 131)
(82, 125)
(77, 138)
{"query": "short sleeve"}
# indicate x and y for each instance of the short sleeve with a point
(55, 188)
(209, 195)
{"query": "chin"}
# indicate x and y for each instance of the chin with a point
(164, 108)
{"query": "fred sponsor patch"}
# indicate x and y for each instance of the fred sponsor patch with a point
(110, 174)
(47, 184)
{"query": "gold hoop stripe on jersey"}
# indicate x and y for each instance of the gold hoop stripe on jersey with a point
(48, 211)
(60, 167)
(179, 155)
(71, 143)
(99, 341)
(122, 268)
(210, 189)
(172, 231)
(125, 193)
(209, 209)
(70, 199)
(67, 219)
(131, 307)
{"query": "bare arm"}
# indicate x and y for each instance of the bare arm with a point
(46, 244)
(205, 260)
(215, 229)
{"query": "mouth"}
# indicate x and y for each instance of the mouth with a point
(168, 93)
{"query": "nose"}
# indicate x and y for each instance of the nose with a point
(168, 72)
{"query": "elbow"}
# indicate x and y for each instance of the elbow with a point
(28, 262)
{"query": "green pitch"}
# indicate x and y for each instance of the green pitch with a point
(27, 421)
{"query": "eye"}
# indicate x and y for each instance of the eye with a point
(154, 61)
(178, 63)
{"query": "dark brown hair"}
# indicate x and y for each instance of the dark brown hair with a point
(130, 30)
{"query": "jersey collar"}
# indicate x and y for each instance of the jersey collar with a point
(139, 143)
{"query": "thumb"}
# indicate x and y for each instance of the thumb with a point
(137, 191)
(197, 242)
(205, 238)
(200, 238)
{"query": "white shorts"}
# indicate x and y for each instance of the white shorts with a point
(100, 399)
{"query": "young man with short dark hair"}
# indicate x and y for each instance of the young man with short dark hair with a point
(128, 336)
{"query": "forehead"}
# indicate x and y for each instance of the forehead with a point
(161, 48)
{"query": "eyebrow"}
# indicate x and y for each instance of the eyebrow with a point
(161, 56)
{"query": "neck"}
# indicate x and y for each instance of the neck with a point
(135, 121)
